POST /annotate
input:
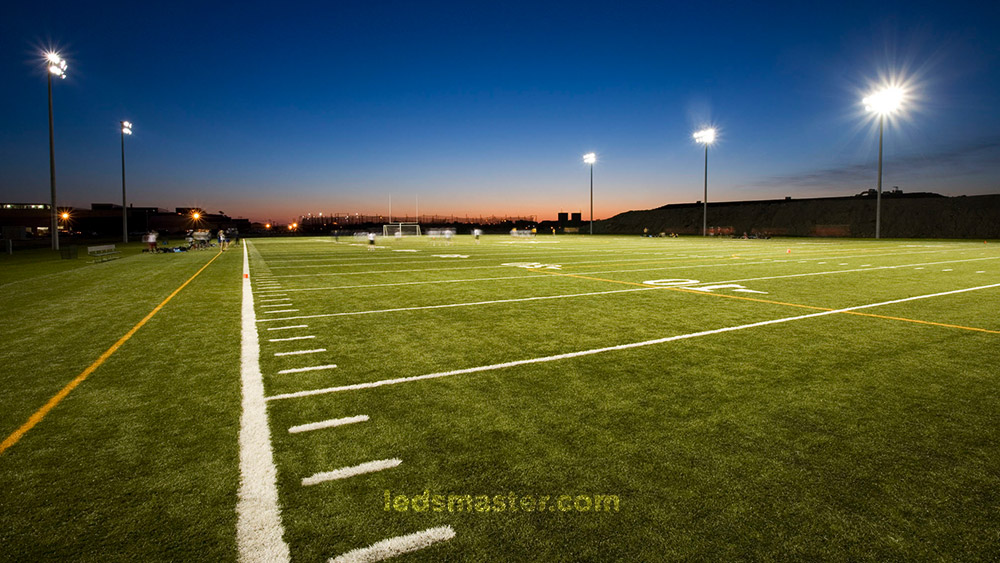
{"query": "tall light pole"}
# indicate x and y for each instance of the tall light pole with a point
(590, 158)
(57, 67)
(705, 137)
(883, 102)
(126, 130)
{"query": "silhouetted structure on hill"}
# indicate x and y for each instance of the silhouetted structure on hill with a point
(916, 215)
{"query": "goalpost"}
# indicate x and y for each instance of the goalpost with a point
(401, 229)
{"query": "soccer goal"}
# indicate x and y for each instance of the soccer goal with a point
(401, 230)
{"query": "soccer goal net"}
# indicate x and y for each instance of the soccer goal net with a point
(401, 230)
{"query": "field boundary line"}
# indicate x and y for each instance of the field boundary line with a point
(469, 304)
(569, 355)
(259, 532)
(58, 397)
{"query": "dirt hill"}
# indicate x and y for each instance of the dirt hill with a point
(903, 216)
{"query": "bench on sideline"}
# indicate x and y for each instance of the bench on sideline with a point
(103, 252)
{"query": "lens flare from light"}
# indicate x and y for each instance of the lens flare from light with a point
(589, 158)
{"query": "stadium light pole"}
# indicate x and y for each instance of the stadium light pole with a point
(705, 137)
(126, 130)
(590, 158)
(57, 67)
(883, 102)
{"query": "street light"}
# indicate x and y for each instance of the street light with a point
(126, 130)
(706, 137)
(57, 67)
(590, 158)
(883, 102)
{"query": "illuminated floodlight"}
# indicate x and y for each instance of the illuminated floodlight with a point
(589, 158)
(57, 64)
(126, 127)
(267, 226)
(706, 136)
(196, 215)
(64, 215)
(885, 101)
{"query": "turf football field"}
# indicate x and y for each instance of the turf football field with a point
(554, 398)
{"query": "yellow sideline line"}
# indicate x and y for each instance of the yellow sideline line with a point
(40, 413)
(917, 321)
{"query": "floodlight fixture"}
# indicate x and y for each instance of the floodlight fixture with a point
(56, 67)
(196, 215)
(883, 102)
(590, 158)
(706, 136)
(64, 215)
(126, 130)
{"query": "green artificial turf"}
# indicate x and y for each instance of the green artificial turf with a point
(839, 437)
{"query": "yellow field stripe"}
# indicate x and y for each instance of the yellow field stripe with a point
(932, 323)
(40, 413)
(758, 300)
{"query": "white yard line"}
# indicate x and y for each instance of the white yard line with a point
(345, 472)
(328, 423)
(258, 518)
(472, 304)
(543, 276)
(275, 305)
(398, 545)
(300, 352)
(738, 263)
(276, 299)
(290, 338)
(281, 311)
(611, 348)
(288, 327)
(873, 269)
(312, 368)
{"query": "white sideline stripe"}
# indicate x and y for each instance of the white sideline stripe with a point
(389, 271)
(732, 263)
(873, 269)
(398, 545)
(298, 352)
(313, 368)
(258, 519)
(280, 311)
(328, 423)
(448, 305)
(610, 348)
(345, 472)
(291, 338)
(521, 277)
(288, 327)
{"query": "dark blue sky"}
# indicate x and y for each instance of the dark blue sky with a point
(270, 111)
